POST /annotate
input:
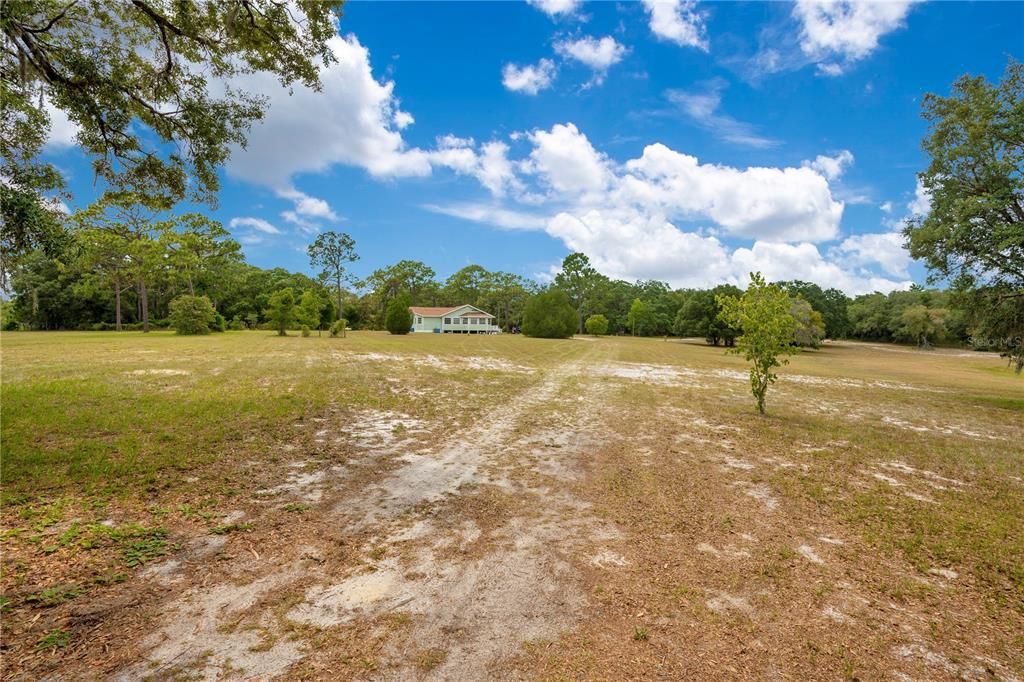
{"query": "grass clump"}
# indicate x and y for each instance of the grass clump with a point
(430, 659)
(55, 639)
(54, 596)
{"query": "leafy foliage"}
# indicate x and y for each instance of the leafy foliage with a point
(332, 251)
(597, 325)
(399, 317)
(808, 324)
(549, 315)
(974, 232)
(192, 315)
(641, 316)
(831, 303)
(309, 310)
(762, 313)
(699, 316)
(280, 311)
(921, 323)
(134, 77)
(581, 284)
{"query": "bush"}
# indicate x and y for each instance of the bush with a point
(597, 325)
(281, 311)
(399, 318)
(219, 323)
(549, 315)
(236, 323)
(305, 330)
(339, 327)
(192, 315)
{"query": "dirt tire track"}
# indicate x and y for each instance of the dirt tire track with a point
(475, 610)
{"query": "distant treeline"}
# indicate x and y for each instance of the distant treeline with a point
(69, 291)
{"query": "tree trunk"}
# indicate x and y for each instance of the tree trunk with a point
(337, 283)
(144, 302)
(117, 306)
(191, 289)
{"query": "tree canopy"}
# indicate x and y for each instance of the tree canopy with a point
(762, 313)
(332, 252)
(974, 232)
(399, 317)
(148, 85)
(549, 315)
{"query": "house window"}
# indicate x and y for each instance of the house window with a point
(419, 320)
(447, 320)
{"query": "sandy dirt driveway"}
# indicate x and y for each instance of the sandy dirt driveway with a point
(443, 551)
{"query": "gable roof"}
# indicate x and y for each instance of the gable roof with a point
(432, 312)
(429, 311)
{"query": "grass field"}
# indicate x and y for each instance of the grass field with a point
(467, 507)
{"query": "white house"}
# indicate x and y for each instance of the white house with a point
(462, 319)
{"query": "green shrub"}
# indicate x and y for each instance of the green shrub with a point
(281, 312)
(549, 315)
(236, 323)
(399, 318)
(305, 330)
(339, 327)
(192, 315)
(219, 323)
(597, 325)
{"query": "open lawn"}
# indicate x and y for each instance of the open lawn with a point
(468, 507)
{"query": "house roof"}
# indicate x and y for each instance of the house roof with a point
(427, 311)
(432, 312)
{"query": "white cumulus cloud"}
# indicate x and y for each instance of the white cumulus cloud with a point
(530, 78)
(921, 205)
(778, 204)
(678, 21)
(556, 8)
(883, 249)
(63, 131)
(837, 33)
(598, 54)
(635, 219)
(353, 120)
(803, 261)
(566, 162)
(831, 167)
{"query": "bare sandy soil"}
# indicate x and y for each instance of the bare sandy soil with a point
(611, 519)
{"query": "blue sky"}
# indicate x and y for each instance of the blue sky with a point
(681, 141)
